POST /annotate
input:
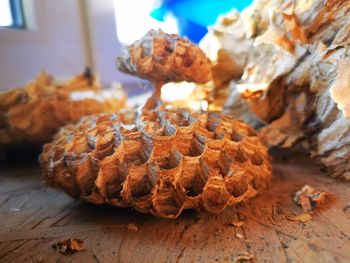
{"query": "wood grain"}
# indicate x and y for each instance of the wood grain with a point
(33, 217)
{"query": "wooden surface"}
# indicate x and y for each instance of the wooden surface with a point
(33, 217)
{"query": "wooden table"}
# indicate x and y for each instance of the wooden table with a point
(33, 217)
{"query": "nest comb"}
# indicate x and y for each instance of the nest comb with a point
(161, 58)
(162, 163)
(33, 114)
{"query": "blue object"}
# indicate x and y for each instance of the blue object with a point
(194, 16)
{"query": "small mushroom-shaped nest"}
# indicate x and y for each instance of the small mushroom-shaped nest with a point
(161, 58)
(34, 113)
(162, 162)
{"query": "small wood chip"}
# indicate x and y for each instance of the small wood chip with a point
(132, 227)
(69, 246)
(238, 235)
(236, 223)
(301, 218)
(244, 257)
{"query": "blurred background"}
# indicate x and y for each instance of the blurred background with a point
(63, 37)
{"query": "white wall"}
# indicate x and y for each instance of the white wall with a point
(63, 37)
(104, 42)
(54, 42)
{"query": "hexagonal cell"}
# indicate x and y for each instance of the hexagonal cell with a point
(190, 147)
(105, 145)
(168, 162)
(78, 145)
(169, 129)
(211, 125)
(192, 181)
(112, 178)
(236, 185)
(133, 153)
(236, 136)
(224, 163)
(140, 181)
(181, 118)
(185, 119)
(85, 170)
(150, 116)
(256, 159)
(167, 201)
(215, 196)
(114, 188)
(241, 155)
(142, 187)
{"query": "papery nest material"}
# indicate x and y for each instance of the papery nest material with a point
(33, 114)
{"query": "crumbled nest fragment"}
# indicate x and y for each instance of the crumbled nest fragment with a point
(69, 246)
(161, 58)
(309, 198)
(163, 162)
(34, 113)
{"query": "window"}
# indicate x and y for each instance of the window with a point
(11, 14)
(133, 20)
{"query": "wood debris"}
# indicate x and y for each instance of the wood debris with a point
(244, 257)
(132, 227)
(301, 218)
(69, 246)
(239, 235)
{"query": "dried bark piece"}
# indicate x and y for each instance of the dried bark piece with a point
(161, 58)
(69, 246)
(309, 198)
(34, 113)
(163, 162)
